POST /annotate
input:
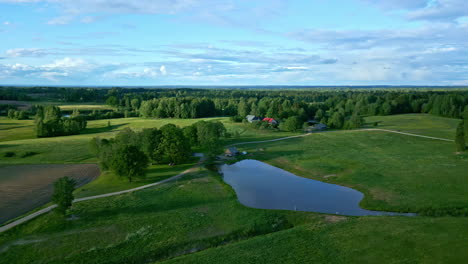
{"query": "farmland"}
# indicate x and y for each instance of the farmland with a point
(26, 187)
(200, 214)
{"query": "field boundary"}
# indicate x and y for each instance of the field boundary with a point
(51, 207)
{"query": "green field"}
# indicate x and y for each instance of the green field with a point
(199, 214)
(423, 124)
(85, 107)
(352, 240)
(395, 172)
(18, 136)
(109, 182)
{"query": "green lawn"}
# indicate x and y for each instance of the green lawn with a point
(69, 149)
(16, 129)
(356, 240)
(396, 172)
(423, 124)
(109, 182)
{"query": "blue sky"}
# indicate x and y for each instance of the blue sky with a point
(234, 42)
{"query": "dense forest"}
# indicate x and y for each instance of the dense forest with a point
(338, 108)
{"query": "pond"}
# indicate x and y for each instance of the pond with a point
(260, 185)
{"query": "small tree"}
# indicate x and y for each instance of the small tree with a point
(291, 124)
(128, 161)
(63, 193)
(460, 137)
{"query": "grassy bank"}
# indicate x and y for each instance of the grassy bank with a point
(396, 172)
(199, 213)
(352, 240)
(192, 214)
(109, 182)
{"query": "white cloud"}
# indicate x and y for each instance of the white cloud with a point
(21, 52)
(61, 20)
(53, 76)
(66, 63)
(163, 70)
(6, 23)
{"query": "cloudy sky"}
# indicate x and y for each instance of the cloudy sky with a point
(234, 42)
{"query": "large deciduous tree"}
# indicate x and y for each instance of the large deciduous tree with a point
(129, 162)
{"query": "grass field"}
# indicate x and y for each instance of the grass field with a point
(18, 136)
(352, 240)
(16, 129)
(423, 124)
(85, 107)
(201, 213)
(395, 172)
(109, 182)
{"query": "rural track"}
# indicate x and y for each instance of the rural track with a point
(364, 129)
(50, 208)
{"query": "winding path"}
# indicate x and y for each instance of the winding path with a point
(48, 209)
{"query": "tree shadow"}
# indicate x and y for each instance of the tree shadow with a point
(96, 130)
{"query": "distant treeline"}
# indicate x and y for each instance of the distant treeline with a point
(275, 103)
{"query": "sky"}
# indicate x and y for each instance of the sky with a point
(233, 42)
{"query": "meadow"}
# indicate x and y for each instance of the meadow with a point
(422, 124)
(198, 218)
(395, 172)
(199, 213)
(18, 136)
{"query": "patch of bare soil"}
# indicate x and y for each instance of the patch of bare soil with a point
(286, 163)
(335, 218)
(383, 195)
(26, 187)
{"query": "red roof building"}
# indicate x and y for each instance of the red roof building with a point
(270, 120)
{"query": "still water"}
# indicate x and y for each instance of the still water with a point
(260, 185)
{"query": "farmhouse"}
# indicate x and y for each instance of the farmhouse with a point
(253, 118)
(270, 120)
(317, 127)
(231, 152)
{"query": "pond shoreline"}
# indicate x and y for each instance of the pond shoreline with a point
(261, 185)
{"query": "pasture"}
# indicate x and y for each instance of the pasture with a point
(422, 124)
(395, 172)
(200, 214)
(198, 219)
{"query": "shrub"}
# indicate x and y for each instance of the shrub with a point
(9, 154)
(28, 154)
